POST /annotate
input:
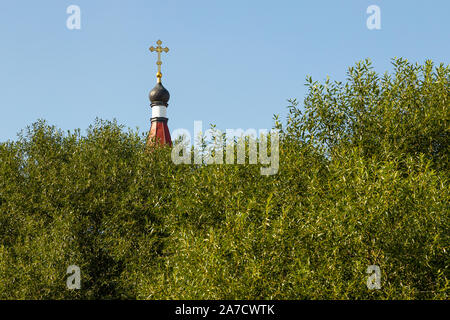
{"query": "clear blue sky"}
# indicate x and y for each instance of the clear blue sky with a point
(231, 62)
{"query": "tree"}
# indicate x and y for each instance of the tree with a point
(363, 180)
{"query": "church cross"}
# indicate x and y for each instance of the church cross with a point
(159, 49)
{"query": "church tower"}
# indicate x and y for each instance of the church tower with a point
(159, 98)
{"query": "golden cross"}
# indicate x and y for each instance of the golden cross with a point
(159, 49)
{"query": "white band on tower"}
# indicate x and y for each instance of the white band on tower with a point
(159, 111)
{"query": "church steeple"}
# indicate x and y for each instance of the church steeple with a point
(159, 98)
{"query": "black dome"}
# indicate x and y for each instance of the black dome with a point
(159, 95)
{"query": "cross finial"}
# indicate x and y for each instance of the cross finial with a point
(159, 49)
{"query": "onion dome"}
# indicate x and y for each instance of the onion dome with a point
(159, 96)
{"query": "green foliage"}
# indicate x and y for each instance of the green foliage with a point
(363, 180)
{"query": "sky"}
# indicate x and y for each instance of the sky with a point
(232, 63)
